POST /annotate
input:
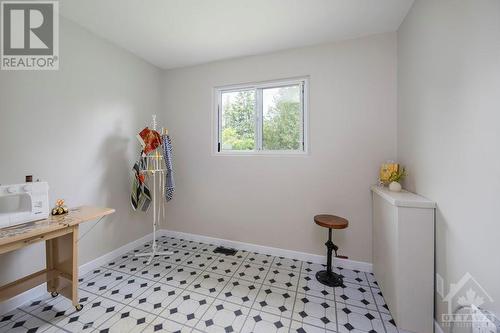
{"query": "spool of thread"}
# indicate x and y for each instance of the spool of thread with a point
(29, 178)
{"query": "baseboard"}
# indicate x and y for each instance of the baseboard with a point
(437, 327)
(93, 264)
(38, 291)
(320, 259)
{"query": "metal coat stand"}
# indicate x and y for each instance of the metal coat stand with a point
(156, 169)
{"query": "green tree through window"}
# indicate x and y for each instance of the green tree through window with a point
(282, 123)
(267, 118)
(238, 120)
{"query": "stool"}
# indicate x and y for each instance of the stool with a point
(328, 277)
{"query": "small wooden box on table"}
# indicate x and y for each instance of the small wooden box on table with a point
(60, 234)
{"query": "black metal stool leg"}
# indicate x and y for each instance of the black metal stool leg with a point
(328, 277)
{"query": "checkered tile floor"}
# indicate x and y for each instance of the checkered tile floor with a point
(195, 290)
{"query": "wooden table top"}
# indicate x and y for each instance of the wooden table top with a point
(73, 217)
(331, 221)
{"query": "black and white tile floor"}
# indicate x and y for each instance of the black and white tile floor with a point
(196, 290)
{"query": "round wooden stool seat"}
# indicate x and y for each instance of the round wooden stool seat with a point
(331, 221)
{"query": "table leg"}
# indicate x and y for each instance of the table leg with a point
(62, 257)
(51, 283)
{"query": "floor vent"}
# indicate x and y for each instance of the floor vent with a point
(225, 250)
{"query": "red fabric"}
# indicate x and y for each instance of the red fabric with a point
(141, 178)
(151, 139)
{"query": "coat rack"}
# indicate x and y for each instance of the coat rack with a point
(156, 175)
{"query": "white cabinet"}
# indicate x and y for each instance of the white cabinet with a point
(403, 256)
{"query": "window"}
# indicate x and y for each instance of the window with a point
(261, 118)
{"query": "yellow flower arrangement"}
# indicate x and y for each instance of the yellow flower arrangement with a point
(391, 172)
(397, 176)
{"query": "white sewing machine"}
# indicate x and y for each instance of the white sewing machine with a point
(21, 203)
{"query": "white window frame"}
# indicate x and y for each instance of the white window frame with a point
(217, 117)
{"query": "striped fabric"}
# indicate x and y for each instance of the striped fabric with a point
(140, 196)
(168, 158)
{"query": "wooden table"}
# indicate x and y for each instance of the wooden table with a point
(60, 234)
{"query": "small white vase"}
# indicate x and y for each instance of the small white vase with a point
(395, 187)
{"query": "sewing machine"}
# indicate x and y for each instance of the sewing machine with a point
(21, 203)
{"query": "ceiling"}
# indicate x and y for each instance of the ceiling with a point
(177, 33)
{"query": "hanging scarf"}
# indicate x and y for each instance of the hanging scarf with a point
(149, 139)
(140, 196)
(168, 158)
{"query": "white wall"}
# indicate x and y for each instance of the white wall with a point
(449, 134)
(75, 129)
(272, 200)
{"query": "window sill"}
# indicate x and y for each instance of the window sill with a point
(262, 153)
